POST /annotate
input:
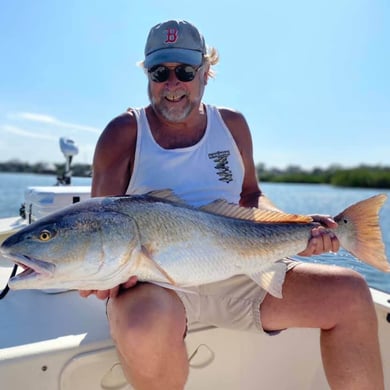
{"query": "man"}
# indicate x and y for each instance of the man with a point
(203, 153)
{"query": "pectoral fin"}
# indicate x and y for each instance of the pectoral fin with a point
(149, 266)
(157, 274)
(271, 278)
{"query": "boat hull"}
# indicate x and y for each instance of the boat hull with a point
(62, 341)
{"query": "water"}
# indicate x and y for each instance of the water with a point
(296, 198)
(13, 186)
(325, 199)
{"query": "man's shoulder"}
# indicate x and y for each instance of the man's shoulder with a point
(230, 115)
(126, 119)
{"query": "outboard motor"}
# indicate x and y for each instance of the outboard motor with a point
(69, 149)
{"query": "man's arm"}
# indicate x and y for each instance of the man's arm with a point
(251, 194)
(112, 166)
(322, 239)
(114, 157)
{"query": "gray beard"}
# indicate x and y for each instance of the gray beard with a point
(171, 114)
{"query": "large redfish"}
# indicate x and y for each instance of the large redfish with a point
(99, 243)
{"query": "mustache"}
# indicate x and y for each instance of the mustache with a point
(174, 95)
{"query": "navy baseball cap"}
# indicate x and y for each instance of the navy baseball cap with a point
(174, 41)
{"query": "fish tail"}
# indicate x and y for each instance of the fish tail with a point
(360, 232)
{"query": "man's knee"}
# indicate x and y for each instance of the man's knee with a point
(147, 324)
(351, 285)
(146, 309)
(351, 290)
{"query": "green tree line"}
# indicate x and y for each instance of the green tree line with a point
(361, 176)
(16, 166)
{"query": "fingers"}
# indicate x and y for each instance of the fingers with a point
(85, 293)
(130, 283)
(100, 294)
(321, 241)
(325, 220)
(111, 293)
(335, 244)
(103, 294)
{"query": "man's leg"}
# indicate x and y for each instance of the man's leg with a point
(337, 301)
(148, 324)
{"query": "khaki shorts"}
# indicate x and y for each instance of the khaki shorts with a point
(233, 303)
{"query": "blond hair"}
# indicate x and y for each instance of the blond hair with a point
(210, 59)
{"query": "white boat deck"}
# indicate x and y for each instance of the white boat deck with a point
(9, 226)
(62, 341)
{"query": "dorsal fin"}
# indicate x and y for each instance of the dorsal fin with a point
(222, 207)
(166, 194)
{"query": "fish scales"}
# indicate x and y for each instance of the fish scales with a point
(221, 246)
(101, 242)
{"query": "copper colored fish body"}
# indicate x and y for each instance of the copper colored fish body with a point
(101, 242)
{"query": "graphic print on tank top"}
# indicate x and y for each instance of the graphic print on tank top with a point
(211, 169)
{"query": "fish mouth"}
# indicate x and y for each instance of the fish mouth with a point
(32, 268)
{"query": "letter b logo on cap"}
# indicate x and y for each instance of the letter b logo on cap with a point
(172, 35)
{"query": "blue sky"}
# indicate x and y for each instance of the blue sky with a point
(311, 77)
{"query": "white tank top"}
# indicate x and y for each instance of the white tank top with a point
(211, 169)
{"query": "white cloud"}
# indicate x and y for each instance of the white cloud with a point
(26, 133)
(36, 117)
(50, 120)
(32, 134)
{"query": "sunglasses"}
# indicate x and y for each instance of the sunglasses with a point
(184, 73)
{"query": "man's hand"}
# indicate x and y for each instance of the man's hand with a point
(112, 293)
(322, 239)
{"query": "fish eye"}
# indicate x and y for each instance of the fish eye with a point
(45, 235)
